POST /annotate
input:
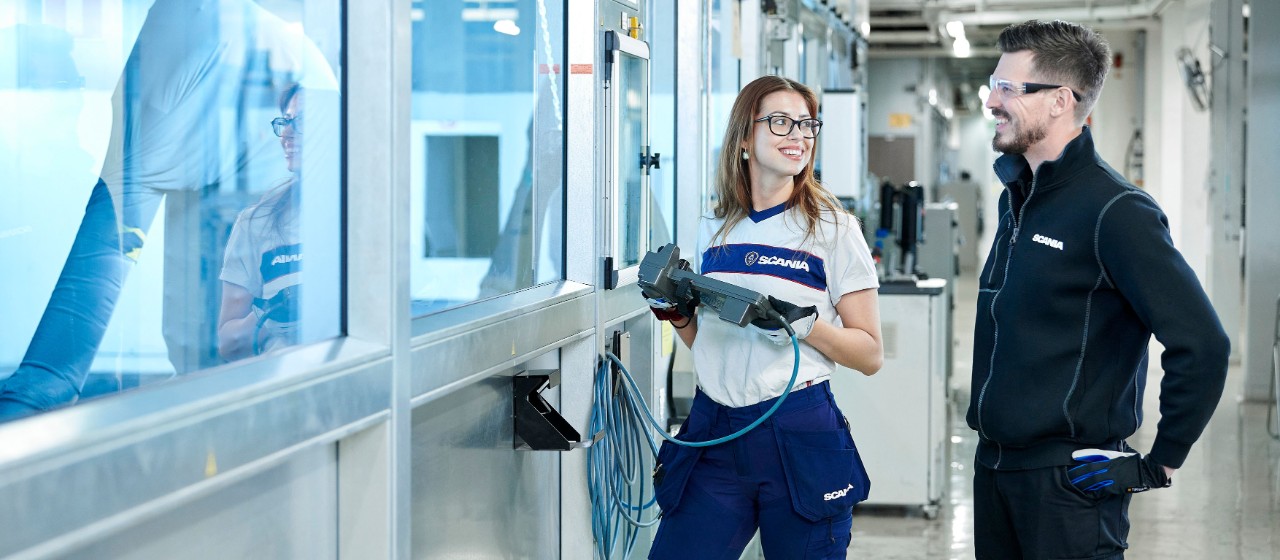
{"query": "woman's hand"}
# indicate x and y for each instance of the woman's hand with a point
(801, 319)
(237, 323)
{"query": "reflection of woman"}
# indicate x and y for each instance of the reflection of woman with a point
(778, 232)
(261, 268)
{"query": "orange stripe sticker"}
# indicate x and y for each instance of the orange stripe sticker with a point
(579, 68)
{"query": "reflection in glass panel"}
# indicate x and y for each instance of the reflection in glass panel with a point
(724, 84)
(662, 125)
(630, 159)
(154, 215)
(486, 145)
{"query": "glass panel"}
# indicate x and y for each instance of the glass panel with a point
(633, 117)
(724, 77)
(662, 128)
(152, 218)
(486, 145)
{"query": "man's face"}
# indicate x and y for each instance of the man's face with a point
(1022, 120)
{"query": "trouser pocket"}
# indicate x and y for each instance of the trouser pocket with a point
(823, 470)
(675, 464)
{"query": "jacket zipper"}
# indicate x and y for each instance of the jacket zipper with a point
(1016, 222)
(992, 272)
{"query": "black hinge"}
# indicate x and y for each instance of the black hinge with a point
(610, 277)
(610, 46)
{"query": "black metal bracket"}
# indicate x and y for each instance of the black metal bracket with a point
(537, 425)
(610, 274)
(649, 160)
(610, 46)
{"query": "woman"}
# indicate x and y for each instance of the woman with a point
(777, 231)
(261, 268)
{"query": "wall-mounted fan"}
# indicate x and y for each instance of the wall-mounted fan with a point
(1194, 78)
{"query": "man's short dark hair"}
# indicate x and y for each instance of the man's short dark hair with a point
(1063, 53)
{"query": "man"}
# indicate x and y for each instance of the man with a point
(1081, 274)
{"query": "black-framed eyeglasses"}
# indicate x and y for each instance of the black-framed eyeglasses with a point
(1007, 89)
(278, 124)
(781, 125)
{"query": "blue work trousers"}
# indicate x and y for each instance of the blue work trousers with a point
(795, 477)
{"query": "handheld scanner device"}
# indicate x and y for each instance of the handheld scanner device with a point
(663, 274)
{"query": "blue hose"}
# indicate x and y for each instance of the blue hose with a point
(795, 372)
(616, 478)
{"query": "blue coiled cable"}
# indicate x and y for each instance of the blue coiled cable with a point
(615, 469)
(615, 477)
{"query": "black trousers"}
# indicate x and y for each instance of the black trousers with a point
(1037, 514)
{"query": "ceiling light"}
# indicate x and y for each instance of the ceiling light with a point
(506, 27)
(960, 48)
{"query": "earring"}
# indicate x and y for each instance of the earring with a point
(745, 156)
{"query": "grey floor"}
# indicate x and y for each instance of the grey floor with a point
(1224, 503)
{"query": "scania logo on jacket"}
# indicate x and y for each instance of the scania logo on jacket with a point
(1047, 241)
(755, 258)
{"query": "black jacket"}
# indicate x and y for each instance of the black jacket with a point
(1081, 274)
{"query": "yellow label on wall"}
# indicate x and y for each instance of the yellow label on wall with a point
(668, 338)
(899, 120)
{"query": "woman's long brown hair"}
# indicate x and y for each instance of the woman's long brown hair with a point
(278, 204)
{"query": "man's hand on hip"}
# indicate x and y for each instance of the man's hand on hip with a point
(1117, 472)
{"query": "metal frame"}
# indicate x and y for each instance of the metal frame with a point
(583, 177)
(638, 49)
(495, 335)
(96, 470)
(76, 475)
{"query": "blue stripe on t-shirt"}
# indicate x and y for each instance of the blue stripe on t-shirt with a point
(280, 261)
(750, 258)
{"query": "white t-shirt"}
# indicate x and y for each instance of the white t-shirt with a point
(768, 253)
(264, 258)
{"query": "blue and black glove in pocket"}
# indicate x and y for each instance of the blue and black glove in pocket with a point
(1116, 472)
(801, 320)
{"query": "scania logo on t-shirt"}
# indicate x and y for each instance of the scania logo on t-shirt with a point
(283, 259)
(800, 264)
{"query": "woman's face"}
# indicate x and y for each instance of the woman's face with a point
(290, 136)
(780, 156)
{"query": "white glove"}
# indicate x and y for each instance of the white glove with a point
(801, 320)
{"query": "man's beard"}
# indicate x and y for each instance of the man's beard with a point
(1024, 136)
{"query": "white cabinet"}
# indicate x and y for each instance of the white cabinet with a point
(899, 415)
